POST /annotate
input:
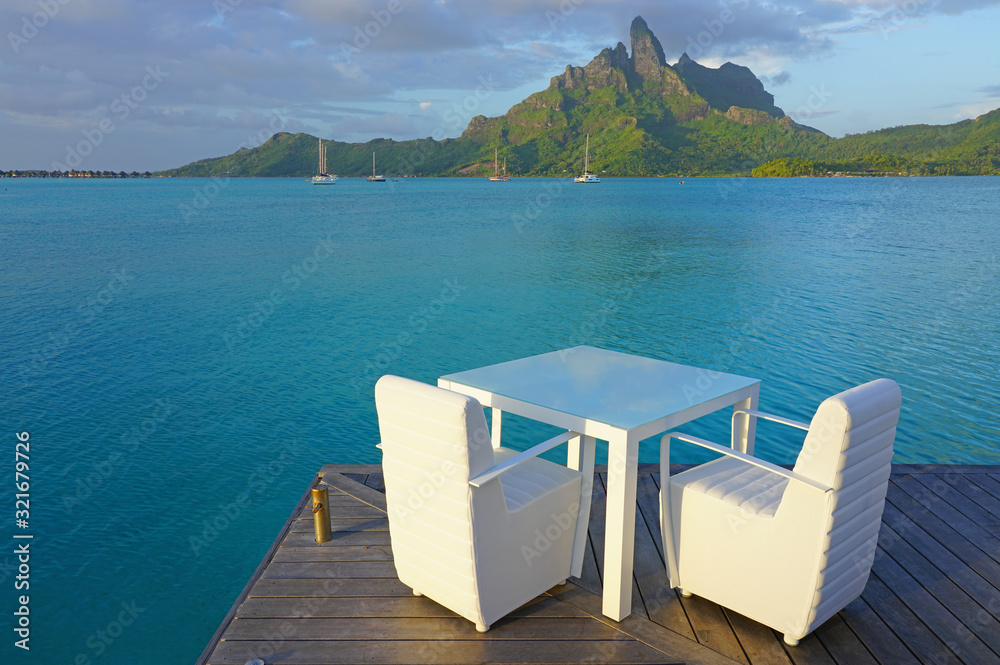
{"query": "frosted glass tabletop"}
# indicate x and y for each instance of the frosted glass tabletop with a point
(614, 388)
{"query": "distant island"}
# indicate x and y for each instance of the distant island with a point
(644, 118)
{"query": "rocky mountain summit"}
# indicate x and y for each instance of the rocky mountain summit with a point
(688, 90)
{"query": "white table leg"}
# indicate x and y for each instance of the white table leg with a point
(581, 457)
(745, 427)
(497, 415)
(619, 538)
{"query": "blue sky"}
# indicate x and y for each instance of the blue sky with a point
(144, 84)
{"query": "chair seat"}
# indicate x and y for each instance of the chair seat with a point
(535, 477)
(754, 490)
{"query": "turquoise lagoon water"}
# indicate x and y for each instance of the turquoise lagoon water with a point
(174, 345)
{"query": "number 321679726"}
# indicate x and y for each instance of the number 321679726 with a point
(21, 479)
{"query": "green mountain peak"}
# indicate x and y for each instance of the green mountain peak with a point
(644, 117)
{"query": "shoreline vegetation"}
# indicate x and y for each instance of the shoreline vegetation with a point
(87, 175)
(763, 172)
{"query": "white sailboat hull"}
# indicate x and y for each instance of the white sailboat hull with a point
(587, 176)
(322, 177)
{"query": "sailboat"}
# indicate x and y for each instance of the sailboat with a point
(322, 177)
(373, 177)
(587, 176)
(497, 177)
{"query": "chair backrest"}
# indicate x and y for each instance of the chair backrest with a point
(433, 441)
(850, 437)
(849, 448)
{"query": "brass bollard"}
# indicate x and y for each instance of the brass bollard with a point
(321, 514)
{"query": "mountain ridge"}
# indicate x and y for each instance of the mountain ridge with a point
(644, 117)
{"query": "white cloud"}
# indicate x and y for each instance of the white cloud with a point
(264, 54)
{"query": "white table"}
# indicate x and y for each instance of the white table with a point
(618, 398)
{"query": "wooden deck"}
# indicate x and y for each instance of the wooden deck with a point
(933, 596)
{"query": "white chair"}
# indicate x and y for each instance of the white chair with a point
(479, 530)
(786, 548)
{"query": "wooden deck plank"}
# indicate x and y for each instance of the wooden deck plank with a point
(352, 511)
(659, 601)
(331, 569)
(695, 617)
(842, 643)
(349, 468)
(757, 640)
(902, 621)
(960, 606)
(337, 524)
(966, 469)
(951, 506)
(948, 629)
(987, 483)
(712, 628)
(663, 604)
(943, 531)
(275, 607)
(339, 539)
(985, 594)
(376, 481)
(959, 501)
(540, 629)
(360, 587)
(971, 486)
(361, 492)
(877, 637)
(589, 578)
(810, 651)
(649, 632)
(434, 652)
(598, 517)
(933, 597)
(289, 554)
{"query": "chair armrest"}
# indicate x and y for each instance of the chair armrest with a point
(521, 458)
(749, 459)
(767, 416)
